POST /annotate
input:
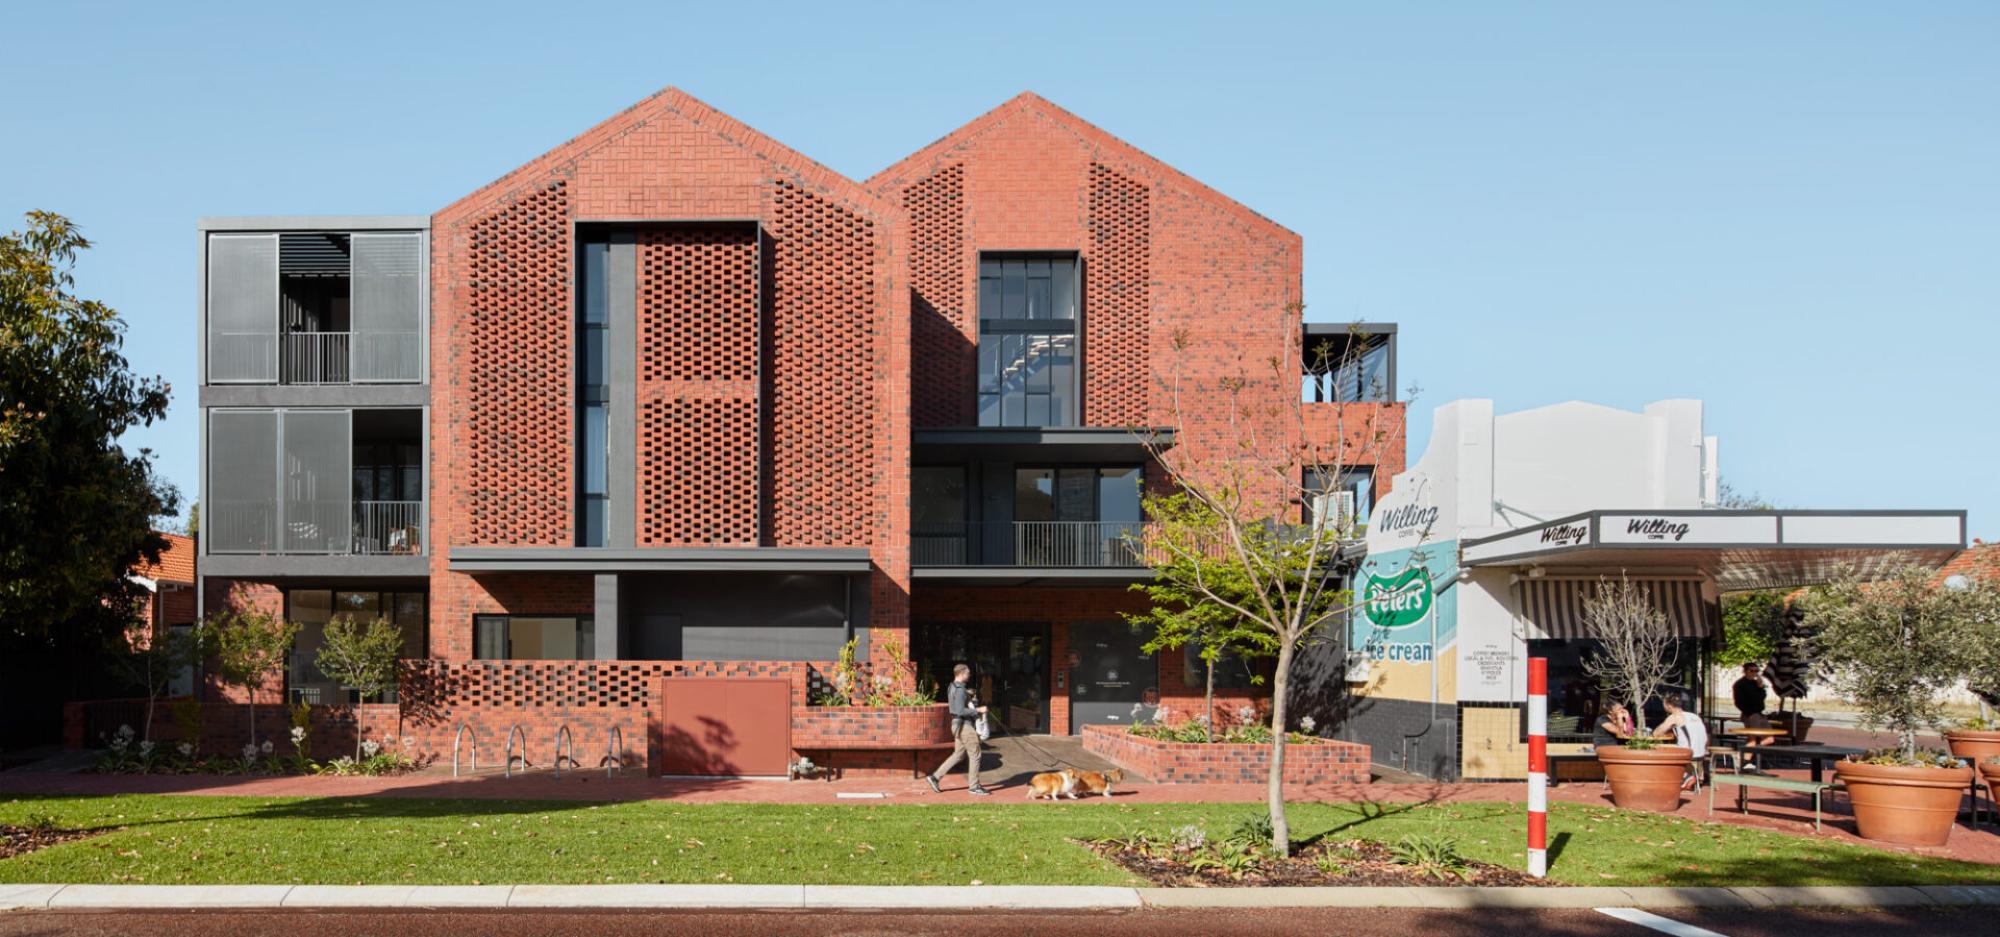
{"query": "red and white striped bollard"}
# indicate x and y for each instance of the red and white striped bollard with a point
(1538, 766)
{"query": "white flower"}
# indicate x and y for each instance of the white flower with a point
(249, 752)
(1308, 724)
(298, 736)
(266, 747)
(146, 749)
(370, 748)
(1246, 714)
(186, 750)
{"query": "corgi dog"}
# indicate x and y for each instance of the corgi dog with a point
(1097, 782)
(1053, 784)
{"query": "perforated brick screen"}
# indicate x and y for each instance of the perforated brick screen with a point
(1117, 302)
(942, 353)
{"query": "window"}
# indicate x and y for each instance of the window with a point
(938, 534)
(1353, 367)
(1233, 671)
(1075, 516)
(314, 609)
(1028, 340)
(1325, 487)
(593, 394)
(1577, 703)
(518, 637)
(315, 307)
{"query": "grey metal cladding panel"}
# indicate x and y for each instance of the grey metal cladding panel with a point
(319, 481)
(241, 505)
(236, 566)
(358, 396)
(387, 306)
(242, 304)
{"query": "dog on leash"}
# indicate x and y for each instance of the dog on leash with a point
(1051, 785)
(1097, 782)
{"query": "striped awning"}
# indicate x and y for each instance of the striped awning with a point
(1554, 607)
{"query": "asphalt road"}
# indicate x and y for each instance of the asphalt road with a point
(1360, 922)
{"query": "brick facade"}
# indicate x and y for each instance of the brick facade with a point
(792, 326)
(1323, 761)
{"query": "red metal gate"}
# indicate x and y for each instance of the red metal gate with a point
(725, 727)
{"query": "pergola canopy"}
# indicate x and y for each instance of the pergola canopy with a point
(1739, 550)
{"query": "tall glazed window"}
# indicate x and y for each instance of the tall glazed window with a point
(1028, 374)
(593, 393)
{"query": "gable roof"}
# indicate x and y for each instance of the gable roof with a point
(925, 161)
(673, 101)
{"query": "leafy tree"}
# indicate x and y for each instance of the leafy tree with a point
(1636, 649)
(1895, 646)
(1245, 445)
(366, 658)
(1180, 617)
(1753, 628)
(74, 506)
(250, 644)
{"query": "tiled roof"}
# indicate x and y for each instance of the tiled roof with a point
(176, 561)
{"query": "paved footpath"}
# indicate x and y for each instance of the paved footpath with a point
(1349, 922)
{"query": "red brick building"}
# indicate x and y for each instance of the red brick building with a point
(673, 403)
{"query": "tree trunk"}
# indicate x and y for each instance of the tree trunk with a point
(1638, 716)
(1281, 829)
(1210, 728)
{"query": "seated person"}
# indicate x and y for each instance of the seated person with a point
(1617, 723)
(1685, 728)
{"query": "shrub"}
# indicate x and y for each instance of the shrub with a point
(1435, 856)
(1919, 758)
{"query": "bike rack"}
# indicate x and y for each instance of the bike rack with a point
(512, 734)
(565, 744)
(459, 737)
(614, 745)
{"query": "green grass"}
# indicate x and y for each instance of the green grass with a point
(182, 839)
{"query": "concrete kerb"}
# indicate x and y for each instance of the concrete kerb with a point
(944, 897)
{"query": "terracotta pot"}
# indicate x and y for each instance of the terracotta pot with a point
(1992, 773)
(1645, 779)
(1973, 746)
(1911, 806)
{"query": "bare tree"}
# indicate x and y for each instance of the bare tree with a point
(1637, 653)
(1238, 530)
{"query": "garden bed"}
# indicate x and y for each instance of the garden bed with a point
(1348, 862)
(21, 840)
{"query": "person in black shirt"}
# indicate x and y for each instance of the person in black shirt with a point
(1750, 697)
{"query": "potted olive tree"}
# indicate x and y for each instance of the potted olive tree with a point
(1894, 647)
(1636, 657)
(1978, 739)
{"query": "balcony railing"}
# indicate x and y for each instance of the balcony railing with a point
(314, 358)
(1067, 544)
(376, 528)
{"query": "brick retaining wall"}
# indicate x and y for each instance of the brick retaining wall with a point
(1321, 761)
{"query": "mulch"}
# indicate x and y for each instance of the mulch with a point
(21, 840)
(1356, 862)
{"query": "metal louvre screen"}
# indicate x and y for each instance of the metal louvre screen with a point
(387, 306)
(318, 481)
(1554, 607)
(242, 508)
(243, 308)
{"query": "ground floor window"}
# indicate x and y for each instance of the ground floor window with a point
(1233, 670)
(314, 609)
(529, 637)
(1577, 703)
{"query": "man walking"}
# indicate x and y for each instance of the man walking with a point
(965, 713)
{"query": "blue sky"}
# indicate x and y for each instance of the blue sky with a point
(1789, 210)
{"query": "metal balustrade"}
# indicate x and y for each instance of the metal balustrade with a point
(388, 527)
(314, 358)
(1069, 544)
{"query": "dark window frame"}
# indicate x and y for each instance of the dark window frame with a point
(593, 401)
(507, 618)
(989, 322)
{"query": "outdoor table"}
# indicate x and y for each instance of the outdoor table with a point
(1819, 755)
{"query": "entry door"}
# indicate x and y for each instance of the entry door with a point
(1010, 667)
(1112, 681)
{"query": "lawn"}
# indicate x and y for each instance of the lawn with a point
(183, 839)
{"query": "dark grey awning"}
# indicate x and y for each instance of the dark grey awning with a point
(1060, 443)
(659, 559)
(1554, 607)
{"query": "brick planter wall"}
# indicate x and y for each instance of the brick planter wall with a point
(1316, 762)
(872, 740)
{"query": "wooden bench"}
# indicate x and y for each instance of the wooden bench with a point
(1744, 782)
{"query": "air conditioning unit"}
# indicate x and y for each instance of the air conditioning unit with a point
(1335, 511)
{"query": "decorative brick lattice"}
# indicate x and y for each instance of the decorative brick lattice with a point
(942, 354)
(571, 684)
(517, 343)
(698, 303)
(1117, 303)
(698, 472)
(820, 371)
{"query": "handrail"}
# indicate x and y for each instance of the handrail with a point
(512, 734)
(614, 748)
(565, 743)
(456, 738)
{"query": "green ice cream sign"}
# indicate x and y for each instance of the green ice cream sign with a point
(1397, 601)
